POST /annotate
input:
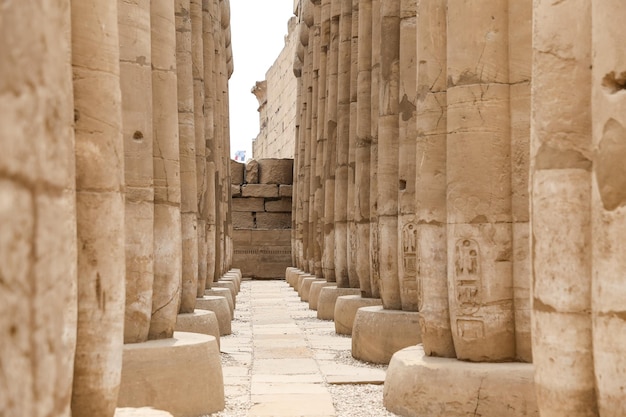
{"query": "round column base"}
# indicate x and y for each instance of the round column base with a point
(328, 298)
(419, 385)
(140, 412)
(220, 307)
(223, 292)
(181, 375)
(200, 321)
(226, 284)
(305, 287)
(346, 307)
(378, 333)
(314, 292)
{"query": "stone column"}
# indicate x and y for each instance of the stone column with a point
(430, 180)
(374, 254)
(187, 145)
(216, 145)
(330, 145)
(99, 207)
(387, 190)
(408, 237)
(479, 182)
(208, 11)
(197, 60)
(167, 221)
(342, 136)
(560, 208)
(322, 90)
(38, 210)
(520, 68)
(136, 87)
(351, 243)
(608, 200)
(362, 151)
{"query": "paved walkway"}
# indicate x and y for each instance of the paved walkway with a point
(282, 361)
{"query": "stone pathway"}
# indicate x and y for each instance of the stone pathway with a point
(282, 361)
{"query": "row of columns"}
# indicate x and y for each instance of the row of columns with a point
(418, 179)
(114, 188)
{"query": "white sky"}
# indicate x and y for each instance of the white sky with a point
(258, 29)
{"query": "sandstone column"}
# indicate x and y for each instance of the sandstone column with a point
(374, 249)
(197, 59)
(560, 208)
(99, 207)
(430, 180)
(330, 146)
(322, 89)
(479, 182)
(187, 145)
(351, 243)
(362, 152)
(136, 87)
(38, 210)
(342, 145)
(408, 237)
(167, 196)
(608, 200)
(520, 68)
(208, 11)
(387, 190)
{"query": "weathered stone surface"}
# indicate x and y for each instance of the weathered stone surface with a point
(419, 385)
(235, 191)
(282, 205)
(346, 308)
(285, 190)
(252, 172)
(243, 220)
(259, 190)
(200, 321)
(262, 253)
(248, 204)
(237, 171)
(275, 171)
(273, 220)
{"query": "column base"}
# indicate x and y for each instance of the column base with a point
(223, 292)
(301, 278)
(314, 292)
(419, 385)
(328, 298)
(220, 307)
(305, 287)
(290, 273)
(229, 276)
(226, 284)
(200, 321)
(378, 333)
(181, 375)
(346, 307)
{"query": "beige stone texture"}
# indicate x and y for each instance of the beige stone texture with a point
(167, 191)
(314, 292)
(237, 171)
(181, 375)
(285, 190)
(328, 298)
(419, 385)
(252, 172)
(431, 210)
(243, 220)
(219, 306)
(267, 220)
(305, 287)
(136, 87)
(37, 210)
(282, 205)
(223, 292)
(346, 308)
(249, 204)
(200, 321)
(378, 333)
(99, 189)
(608, 201)
(259, 190)
(235, 191)
(262, 253)
(277, 103)
(230, 285)
(275, 171)
(140, 412)
(560, 201)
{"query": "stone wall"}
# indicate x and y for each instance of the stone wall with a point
(277, 104)
(262, 220)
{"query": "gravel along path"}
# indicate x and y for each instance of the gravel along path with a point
(280, 360)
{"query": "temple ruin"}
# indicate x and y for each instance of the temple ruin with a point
(456, 202)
